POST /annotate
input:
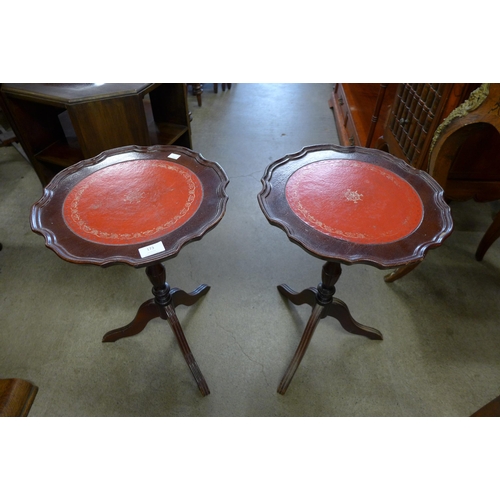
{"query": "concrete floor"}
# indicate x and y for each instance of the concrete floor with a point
(441, 348)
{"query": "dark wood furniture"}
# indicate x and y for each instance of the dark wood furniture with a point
(416, 112)
(404, 118)
(399, 118)
(464, 157)
(59, 125)
(16, 397)
(138, 206)
(360, 111)
(490, 236)
(465, 154)
(492, 409)
(348, 205)
(223, 85)
(7, 137)
(197, 89)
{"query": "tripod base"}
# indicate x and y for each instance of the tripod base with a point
(163, 306)
(324, 304)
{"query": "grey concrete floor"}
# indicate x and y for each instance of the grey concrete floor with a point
(441, 349)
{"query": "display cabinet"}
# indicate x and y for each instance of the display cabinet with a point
(416, 112)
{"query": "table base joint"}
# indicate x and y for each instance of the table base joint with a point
(323, 304)
(163, 306)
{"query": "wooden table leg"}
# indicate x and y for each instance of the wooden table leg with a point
(182, 298)
(163, 306)
(490, 236)
(400, 272)
(339, 310)
(324, 304)
(301, 349)
(16, 397)
(197, 91)
(147, 311)
(171, 317)
(492, 409)
(307, 296)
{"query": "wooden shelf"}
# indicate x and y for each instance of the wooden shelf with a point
(59, 125)
(60, 154)
(167, 133)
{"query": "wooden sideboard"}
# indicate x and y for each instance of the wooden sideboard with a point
(400, 118)
(61, 124)
(360, 110)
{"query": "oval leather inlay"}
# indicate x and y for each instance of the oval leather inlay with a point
(132, 202)
(354, 201)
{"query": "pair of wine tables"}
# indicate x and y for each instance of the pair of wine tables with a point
(140, 205)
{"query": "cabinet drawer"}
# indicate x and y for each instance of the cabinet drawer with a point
(346, 127)
(341, 102)
(351, 137)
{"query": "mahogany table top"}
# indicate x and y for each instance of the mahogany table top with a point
(133, 204)
(354, 204)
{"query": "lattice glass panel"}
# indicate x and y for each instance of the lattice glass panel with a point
(411, 118)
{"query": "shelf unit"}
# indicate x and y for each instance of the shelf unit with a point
(360, 110)
(61, 124)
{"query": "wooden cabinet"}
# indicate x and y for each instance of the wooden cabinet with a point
(416, 112)
(465, 151)
(61, 124)
(360, 110)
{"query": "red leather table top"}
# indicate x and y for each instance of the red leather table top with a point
(354, 201)
(132, 202)
(133, 205)
(355, 205)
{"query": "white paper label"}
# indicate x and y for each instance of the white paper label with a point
(151, 249)
(174, 156)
